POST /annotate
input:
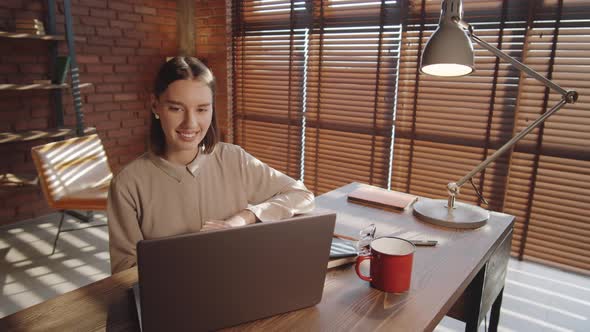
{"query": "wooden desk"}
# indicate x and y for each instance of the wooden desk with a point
(462, 276)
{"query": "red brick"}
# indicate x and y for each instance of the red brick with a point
(218, 20)
(140, 131)
(125, 159)
(106, 125)
(127, 42)
(159, 20)
(95, 117)
(145, 10)
(40, 112)
(120, 7)
(168, 28)
(91, 77)
(98, 50)
(81, 30)
(169, 44)
(168, 4)
(118, 133)
(135, 105)
(123, 51)
(33, 68)
(147, 27)
(167, 12)
(21, 59)
(16, 4)
(115, 78)
(109, 32)
(7, 214)
(129, 17)
(107, 107)
(32, 206)
(93, 3)
(134, 34)
(99, 40)
(120, 115)
(114, 59)
(125, 96)
(94, 21)
(92, 68)
(8, 69)
(122, 24)
(151, 43)
(106, 13)
(99, 98)
(133, 87)
(34, 6)
(134, 123)
(109, 88)
(126, 68)
(87, 59)
(31, 124)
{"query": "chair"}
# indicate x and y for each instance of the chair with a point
(74, 175)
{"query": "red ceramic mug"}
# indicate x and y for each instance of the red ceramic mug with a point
(391, 264)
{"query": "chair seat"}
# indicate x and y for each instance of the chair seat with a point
(86, 199)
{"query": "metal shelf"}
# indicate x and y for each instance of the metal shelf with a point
(22, 35)
(31, 135)
(40, 86)
(11, 180)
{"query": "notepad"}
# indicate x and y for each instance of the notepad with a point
(381, 198)
(341, 252)
(342, 248)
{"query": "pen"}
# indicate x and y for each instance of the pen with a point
(418, 243)
(345, 237)
(424, 243)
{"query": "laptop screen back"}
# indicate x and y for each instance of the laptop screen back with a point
(211, 280)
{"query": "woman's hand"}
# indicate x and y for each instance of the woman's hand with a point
(243, 218)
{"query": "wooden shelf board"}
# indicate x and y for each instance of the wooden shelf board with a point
(22, 35)
(39, 86)
(11, 180)
(31, 135)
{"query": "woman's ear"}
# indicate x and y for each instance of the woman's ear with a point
(153, 105)
(153, 102)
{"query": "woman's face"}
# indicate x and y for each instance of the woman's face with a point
(185, 109)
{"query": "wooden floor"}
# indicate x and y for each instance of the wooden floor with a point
(536, 298)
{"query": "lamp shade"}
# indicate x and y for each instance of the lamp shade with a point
(449, 51)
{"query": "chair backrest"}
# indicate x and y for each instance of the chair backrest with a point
(69, 166)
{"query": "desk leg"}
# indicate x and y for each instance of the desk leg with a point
(473, 295)
(495, 313)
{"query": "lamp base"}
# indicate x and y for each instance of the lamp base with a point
(463, 215)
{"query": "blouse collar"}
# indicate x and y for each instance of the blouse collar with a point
(179, 172)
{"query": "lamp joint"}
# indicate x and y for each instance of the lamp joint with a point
(453, 190)
(571, 97)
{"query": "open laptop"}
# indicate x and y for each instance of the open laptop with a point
(210, 280)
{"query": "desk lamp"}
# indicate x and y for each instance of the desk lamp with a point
(449, 52)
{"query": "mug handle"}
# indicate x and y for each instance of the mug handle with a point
(359, 260)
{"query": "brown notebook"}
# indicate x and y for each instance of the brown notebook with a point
(381, 198)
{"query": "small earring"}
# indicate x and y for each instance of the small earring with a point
(157, 116)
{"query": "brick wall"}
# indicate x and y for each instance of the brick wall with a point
(212, 43)
(126, 41)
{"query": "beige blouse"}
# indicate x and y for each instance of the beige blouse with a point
(152, 198)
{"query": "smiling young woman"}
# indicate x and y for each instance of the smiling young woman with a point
(185, 112)
(190, 181)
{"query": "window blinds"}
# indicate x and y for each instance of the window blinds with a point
(330, 91)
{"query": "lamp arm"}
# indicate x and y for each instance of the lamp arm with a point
(519, 65)
(568, 97)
